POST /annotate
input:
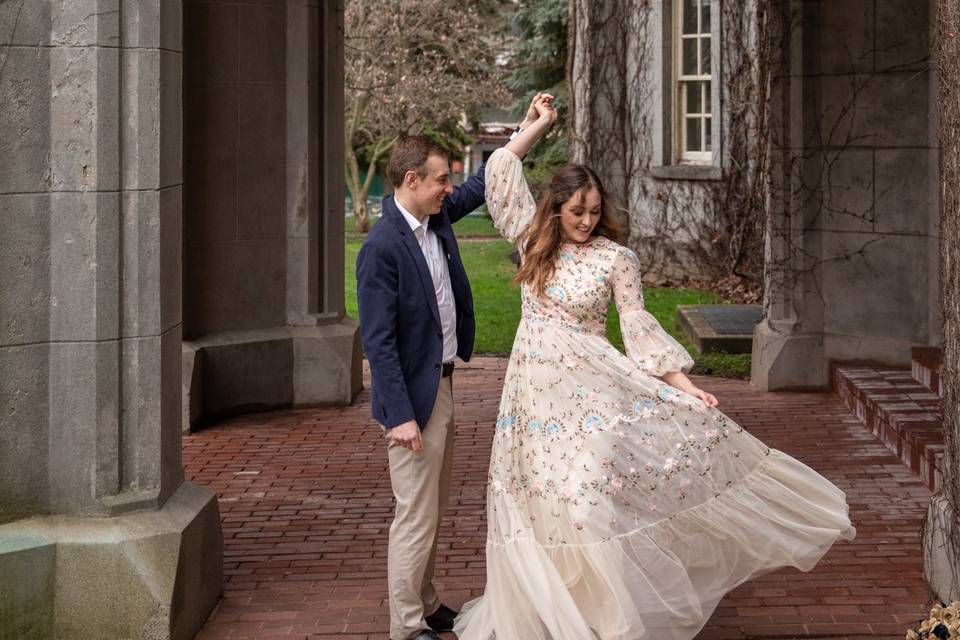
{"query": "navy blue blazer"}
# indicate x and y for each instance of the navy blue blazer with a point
(399, 318)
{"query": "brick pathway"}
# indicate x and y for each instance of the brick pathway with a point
(306, 504)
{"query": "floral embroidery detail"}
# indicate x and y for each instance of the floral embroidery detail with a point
(592, 422)
(504, 423)
(668, 393)
(557, 293)
(645, 408)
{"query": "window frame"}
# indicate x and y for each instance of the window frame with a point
(680, 115)
(671, 160)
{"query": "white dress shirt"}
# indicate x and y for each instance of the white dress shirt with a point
(440, 274)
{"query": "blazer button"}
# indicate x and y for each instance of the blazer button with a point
(436, 367)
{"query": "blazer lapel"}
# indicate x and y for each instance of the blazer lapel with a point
(409, 240)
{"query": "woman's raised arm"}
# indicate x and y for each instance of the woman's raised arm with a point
(509, 201)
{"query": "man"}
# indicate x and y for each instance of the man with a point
(416, 316)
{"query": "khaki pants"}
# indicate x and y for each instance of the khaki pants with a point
(421, 486)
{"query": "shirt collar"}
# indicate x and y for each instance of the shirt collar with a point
(410, 218)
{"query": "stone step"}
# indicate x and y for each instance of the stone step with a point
(926, 367)
(903, 413)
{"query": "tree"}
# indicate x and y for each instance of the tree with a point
(539, 61)
(412, 65)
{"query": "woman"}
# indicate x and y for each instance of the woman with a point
(621, 503)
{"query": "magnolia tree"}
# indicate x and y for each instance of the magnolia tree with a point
(412, 65)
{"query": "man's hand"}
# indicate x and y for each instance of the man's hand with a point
(407, 435)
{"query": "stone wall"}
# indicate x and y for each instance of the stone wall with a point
(235, 135)
(263, 306)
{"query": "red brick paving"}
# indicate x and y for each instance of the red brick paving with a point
(305, 501)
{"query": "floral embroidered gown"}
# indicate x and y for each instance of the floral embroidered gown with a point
(618, 506)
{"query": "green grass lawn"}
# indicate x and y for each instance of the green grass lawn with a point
(497, 305)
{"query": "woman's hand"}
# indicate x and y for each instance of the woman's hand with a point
(546, 115)
(544, 108)
(708, 398)
(532, 113)
(679, 380)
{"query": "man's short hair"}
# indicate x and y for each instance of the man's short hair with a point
(410, 153)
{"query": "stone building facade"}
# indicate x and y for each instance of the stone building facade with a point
(822, 132)
(171, 249)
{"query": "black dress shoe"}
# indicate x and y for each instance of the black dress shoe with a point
(442, 619)
(426, 634)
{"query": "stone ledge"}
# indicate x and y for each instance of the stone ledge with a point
(900, 411)
(153, 574)
(705, 338)
(686, 172)
(245, 371)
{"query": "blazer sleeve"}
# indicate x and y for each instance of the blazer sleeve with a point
(467, 196)
(377, 294)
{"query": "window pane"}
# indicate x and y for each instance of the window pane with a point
(693, 102)
(689, 63)
(689, 9)
(693, 134)
(705, 86)
(705, 16)
(705, 56)
(706, 134)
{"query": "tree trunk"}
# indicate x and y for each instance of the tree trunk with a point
(361, 215)
(941, 529)
(948, 35)
(358, 190)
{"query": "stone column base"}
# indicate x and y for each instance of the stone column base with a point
(941, 549)
(783, 360)
(244, 371)
(153, 575)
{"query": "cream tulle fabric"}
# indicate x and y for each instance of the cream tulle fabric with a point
(619, 507)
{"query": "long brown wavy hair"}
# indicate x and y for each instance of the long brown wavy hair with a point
(543, 238)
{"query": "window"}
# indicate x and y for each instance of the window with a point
(693, 81)
(687, 127)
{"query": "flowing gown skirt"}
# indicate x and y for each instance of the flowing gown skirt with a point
(620, 508)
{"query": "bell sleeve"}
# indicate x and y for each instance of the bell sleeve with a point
(654, 350)
(509, 201)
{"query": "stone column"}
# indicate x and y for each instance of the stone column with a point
(790, 332)
(100, 535)
(852, 257)
(264, 310)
